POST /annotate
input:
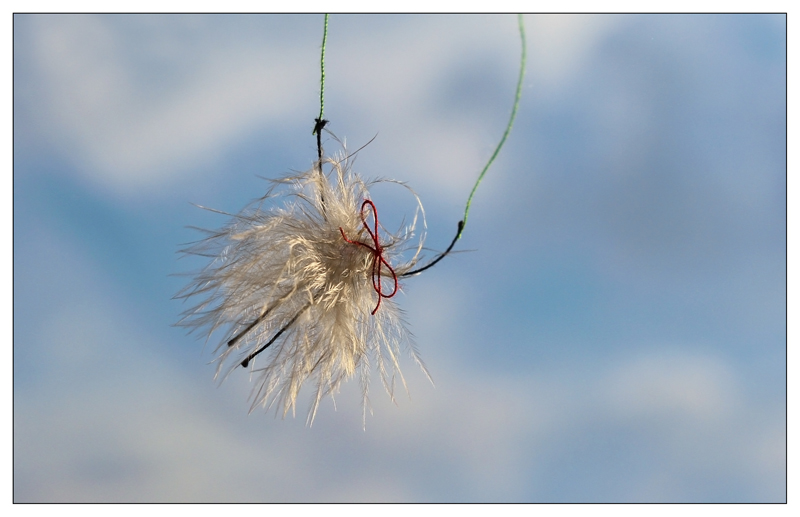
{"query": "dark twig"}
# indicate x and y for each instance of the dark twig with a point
(275, 337)
(440, 257)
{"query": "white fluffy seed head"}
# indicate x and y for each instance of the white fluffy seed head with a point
(289, 272)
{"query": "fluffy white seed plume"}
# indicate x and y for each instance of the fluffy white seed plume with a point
(308, 284)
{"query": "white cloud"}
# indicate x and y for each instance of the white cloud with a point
(126, 135)
(394, 84)
(670, 386)
(105, 412)
(559, 44)
(121, 423)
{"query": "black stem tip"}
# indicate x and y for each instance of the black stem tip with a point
(274, 338)
(319, 123)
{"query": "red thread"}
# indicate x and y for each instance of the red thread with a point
(378, 260)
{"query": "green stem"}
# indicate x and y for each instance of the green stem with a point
(322, 70)
(508, 128)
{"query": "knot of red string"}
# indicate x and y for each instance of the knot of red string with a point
(378, 260)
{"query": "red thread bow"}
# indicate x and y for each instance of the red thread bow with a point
(378, 260)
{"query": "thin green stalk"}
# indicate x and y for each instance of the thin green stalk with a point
(322, 70)
(508, 128)
(320, 122)
(463, 222)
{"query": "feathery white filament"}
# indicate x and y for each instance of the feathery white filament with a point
(285, 277)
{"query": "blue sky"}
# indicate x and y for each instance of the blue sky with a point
(616, 331)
